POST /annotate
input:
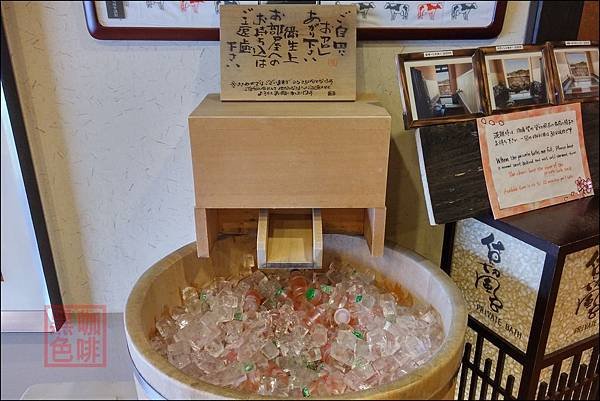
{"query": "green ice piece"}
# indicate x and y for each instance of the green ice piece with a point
(305, 392)
(358, 334)
(310, 293)
(327, 289)
(358, 298)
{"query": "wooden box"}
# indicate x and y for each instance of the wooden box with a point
(531, 286)
(248, 156)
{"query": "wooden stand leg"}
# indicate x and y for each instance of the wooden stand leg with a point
(262, 237)
(207, 230)
(317, 234)
(374, 229)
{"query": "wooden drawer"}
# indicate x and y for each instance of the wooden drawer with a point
(284, 155)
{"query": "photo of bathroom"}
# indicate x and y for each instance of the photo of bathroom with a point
(516, 80)
(577, 71)
(443, 88)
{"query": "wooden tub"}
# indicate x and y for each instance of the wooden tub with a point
(159, 287)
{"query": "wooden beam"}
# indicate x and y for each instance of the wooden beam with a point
(206, 230)
(317, 238)
(262, 237)
(375, 229)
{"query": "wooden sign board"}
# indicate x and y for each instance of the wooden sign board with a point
(293, 52)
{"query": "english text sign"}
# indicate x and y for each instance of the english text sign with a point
(533, 159)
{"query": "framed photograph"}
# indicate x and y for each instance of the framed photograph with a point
(575, 69)
(439, 87)
(377, 20)
(516, 77)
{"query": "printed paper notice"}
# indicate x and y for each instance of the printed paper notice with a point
(533, 159)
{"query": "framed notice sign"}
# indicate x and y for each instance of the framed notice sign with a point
(377, 20)
(534, 158)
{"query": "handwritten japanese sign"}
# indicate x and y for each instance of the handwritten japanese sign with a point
(499, 276)
(488, 279)
(277, 52)
(533, 159)
(577, 306)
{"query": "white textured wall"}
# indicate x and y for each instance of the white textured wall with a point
(469, 91)
(432, 88)
(107, 124)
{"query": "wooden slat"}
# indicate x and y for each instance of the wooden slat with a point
(317, 238)
(476, 363)
(554, 378)
(262, 235)
(335, 221)
(454, 183)
(590, 373)
(580, 382)
(206, 230)
(375, 229)
(510, 382)
(238, 221)
(593, 395)
(487, 369)
(498, 374)
(542, 391)
(594, 391)
(562, 383)
(464, 372)
(573, 375)
(343, 221)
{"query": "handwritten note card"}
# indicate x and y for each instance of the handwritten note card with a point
(293, 52)
(533, 159)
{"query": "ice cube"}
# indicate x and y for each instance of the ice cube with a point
(189, 294)
(346, 338)
(342, 354)
(270, 350)
(319, 335)
(215, 348)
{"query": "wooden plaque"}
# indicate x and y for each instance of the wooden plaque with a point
(277, 52)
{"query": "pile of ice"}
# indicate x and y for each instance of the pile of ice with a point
(297, 334)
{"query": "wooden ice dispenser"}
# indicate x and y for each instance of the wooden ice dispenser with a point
(289, 172)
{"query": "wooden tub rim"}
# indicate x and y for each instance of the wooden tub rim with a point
(445, 363)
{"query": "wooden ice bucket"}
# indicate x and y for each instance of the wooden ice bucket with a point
(159, 287)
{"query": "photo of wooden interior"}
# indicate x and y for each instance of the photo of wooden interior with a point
(442, 88)
(516, 80)
(577, 72)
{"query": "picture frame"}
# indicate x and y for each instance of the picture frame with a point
(574, 83)
(410, 25)
(515, 77)
(451, 94)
